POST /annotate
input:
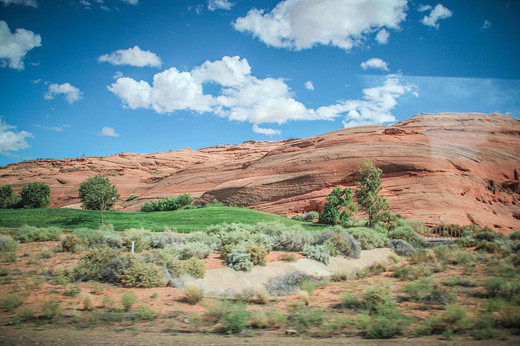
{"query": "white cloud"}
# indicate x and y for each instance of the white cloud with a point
(133, 57)
(30, 3)
(14, 47)
(53, 128)
(117, 75)
(424, 8)
(71, 93)
(486, 25)
(246, 98)
(375, 107)
(438, 12)
(382, 36)
(375, 63)
(300, 24)
(219, 5)
(11, 140)
(131, 2)
(108, 131)
(265, 131)
(309, 85)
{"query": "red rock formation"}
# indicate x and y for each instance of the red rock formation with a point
(450, 167)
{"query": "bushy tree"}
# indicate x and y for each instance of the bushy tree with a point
(35, 195)
(339, 198)
(369, 184)
(168, 204)
(96, 193)
(7, 197)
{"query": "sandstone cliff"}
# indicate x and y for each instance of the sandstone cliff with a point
(449, 167)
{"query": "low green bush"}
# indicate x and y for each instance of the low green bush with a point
(369, 238)
(377, 297)
(340, 244)
(317, 252)
(96, 237)
(140, 274)
(294, 240)
(465, 241)
(238, 259)
(514, 235)
(428, 290)
(10, 301)
(235, 320)
(168, 204)
(73, 243)
(128, 300)
(500, 288)
(194, 267)
(192, 249)
(412, 272)
(350, 301)
(488, 246)
(408, 234)
(7, 243)
(27, 234)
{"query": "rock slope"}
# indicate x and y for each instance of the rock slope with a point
(449, 167)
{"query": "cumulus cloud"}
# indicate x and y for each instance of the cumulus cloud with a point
(14, 47)
(486, 25)
(29, 3)
(438, 12)
(375, 63)
(382, 36)
(214, 5)
(12, 140)
(301, 24)
(133, 57)
(309, 85)
(108, 131)
(265, 131)
(71, 93)
(375, 107)
(241, 96)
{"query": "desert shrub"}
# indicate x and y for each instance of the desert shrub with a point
(51, 309)
(168, 204)
(423, 256)
(317, 252)
(408, 234)
(386, 323)
(235, 320)
(271, 228)
(465, 241)
(205, 238)
(412, 272)
(376, 297)
(8, 199)
(340, 276)
(5, 271)
(402, 247)
(239, 259)
(306, 318)
(488, 246)
(227, 228)
(193, 293)
(306, 217)
(286, 284)
(257, 254)
(234, 237)
(259, 319)
(195, 267)
(288, 257)
(428, 290)
(225, 250)
(369, 238)
(262, 240)
(10, 301)
(88, 301)
(7, 243)
(145, 313)
(96, 237)
(218, 310)
(294, 240)
(340, 244)
(35, 195)
(73, 243)
(188, 250)
(139, 237)
(90, 266)
(128, 300)
(164, 258)
(297, 217)
(514, 235)
(161, 240)
(488, 234)
(350, 301)
(458, 281)
(29, 234)
(142, 275)
(500, 288)
(379, 267)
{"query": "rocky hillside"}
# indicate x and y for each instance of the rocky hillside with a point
(449, 167)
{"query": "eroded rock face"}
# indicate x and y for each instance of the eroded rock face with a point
(449, 167)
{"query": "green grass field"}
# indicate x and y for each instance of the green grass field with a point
(189, 220)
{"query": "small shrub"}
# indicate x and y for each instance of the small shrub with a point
(168, 204)
(408, 234)
(10, 301)
(96, 237)
(128, 300)
(306, 318)
(51, 309)
(235, 320)
(257, 254)
(88, 302)
(288, 257)
(304, 297)
(376, 297)
(286, 284)
(488, 246)
(514, 235)
(465, 241)
(145, 313)
(131, 198)
(379, 267)
(423, 256)
(340, 276)
(73, 243)
(458, 281)
(384, 327)
(193, 293)
(369, 238)
(340, 244)
(238, 259)
(25, 314)
(500, 288)
(317, 252)
(350, 301)
(412, 272)
(7, 243)
(430, 291)
(294, 240)
(188, 250)
(5, 271)
(259, 319)
(72, 291)
(193, 267)
(142, 275)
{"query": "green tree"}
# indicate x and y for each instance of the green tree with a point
(369, 184)
(7, 197)
(339, 198)
(96, 193)
(35, 195)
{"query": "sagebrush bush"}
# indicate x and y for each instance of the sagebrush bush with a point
(73, 243)
(202, 237)
(369, 238)
(258, 255)
(272, 228)
(286, 284)
(428, 290)
(7, 243)
(194, 267)
(294, 240)
(91, 265)
(192, 249)
(340, 244)
(27, 234)
(141, 274)
(377, 296)
(412, 272)
(514, 235)
(350, 301)
(10, 301)
(408, 234)
(238, 259)
(423, 256)
(97, 237)
(317, 252)
(500, 288)
(139, 237)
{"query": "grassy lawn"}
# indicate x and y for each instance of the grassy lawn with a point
(181, 220)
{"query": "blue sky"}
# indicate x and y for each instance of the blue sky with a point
(101, 77)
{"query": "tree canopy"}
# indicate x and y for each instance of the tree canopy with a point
(35, 195)
(338, 199)
(96, 193)
(369, 184)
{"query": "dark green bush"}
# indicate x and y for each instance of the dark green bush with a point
(235, 320)
(8, 199)
(142, 275)
(514, 235)
(168, 204)
(35, 195)
(488, 246)
(408, 234)
(465, 241)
